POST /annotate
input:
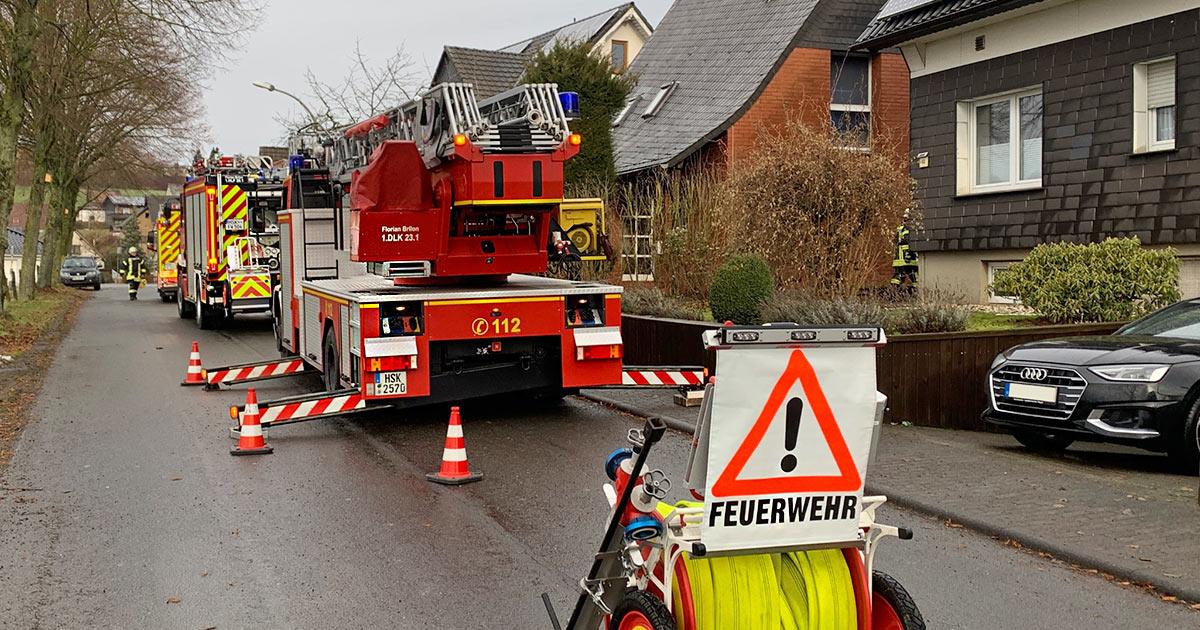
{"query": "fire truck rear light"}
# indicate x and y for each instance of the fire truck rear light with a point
(575, 139)
(460, 140)
(391, 364)
(599, 353)
(497, 347)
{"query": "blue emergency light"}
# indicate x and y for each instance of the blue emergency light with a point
(295, 162)
(570, 104)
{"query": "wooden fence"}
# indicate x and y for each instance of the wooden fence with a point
(936, 380)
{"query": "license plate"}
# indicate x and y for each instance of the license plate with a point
(235, 225)
(1032, 393)
(391, 383)
(77, 277)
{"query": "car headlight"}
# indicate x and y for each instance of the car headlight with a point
(1132, 373)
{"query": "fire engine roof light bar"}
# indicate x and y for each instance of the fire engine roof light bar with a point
(788, 333)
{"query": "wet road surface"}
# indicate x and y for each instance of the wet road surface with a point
(122, 508)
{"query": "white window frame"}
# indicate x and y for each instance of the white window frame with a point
(992, 267)
(967, 166)
(847, 107)
(1145, 122)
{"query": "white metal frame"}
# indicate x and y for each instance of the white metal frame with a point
(849, 107)
(1014, 182)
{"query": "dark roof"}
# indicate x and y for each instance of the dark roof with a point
(16, 243)
(931, 18)
(121, 200)
(585, 29)
(720, 54)
(491, 71)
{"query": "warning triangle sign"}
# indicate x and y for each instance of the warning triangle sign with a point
(848, 479)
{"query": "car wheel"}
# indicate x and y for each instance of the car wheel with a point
(96, 287)
(1043, 442)
(331, 366)
(1184, 449)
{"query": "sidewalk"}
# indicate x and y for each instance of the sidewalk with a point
(1103, 507)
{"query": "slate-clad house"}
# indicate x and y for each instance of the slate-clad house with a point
(1052, 120)
(617, 33)
(719, 72)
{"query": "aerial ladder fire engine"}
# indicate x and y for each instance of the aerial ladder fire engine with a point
(230, 251)
(409, 251)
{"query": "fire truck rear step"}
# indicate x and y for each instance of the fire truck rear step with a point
(255, 371)
(296, 409)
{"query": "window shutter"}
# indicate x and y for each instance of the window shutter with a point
(1160, 84)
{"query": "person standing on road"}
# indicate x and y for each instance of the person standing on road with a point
(133, 269)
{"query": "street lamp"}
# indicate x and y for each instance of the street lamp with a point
(270, 87)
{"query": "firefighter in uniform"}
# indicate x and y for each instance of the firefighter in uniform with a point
(904, 266)
(133, 270)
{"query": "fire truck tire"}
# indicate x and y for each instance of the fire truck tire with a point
(892, 608)
(165, 297)
(641, 610)
(186, 308)
(207, 318)
(331, 367)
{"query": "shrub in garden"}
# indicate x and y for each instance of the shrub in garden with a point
(927, 317)
(652, 302)
(1115, 280)
(803, 308)
(739, 288)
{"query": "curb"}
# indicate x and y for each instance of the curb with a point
(1191, 593)
(672, 423)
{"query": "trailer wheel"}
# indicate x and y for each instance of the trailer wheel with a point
(641, 611)
(331, 369)
(892, 608)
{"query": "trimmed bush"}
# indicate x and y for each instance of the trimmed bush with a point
(1116, 280)
(927, 317)
(739, 288)
(652, 302)
(802, 308)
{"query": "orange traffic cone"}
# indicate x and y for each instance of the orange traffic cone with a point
(250, 438)
(195, 374)
(455, 470)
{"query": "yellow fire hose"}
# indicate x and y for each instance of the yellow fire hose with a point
(792, 591)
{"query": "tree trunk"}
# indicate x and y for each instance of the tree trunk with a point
(12, 107)
(48, 270)
(33, 224)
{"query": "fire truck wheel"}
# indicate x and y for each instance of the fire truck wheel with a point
(186, 308)
(331, 366)
(641, 611)
(892, 608)
(207, 318)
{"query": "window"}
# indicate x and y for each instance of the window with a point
(1000, 143)
(620, 56)
(1154, 106)
(994, 268)
(850, 100)
(657, 102)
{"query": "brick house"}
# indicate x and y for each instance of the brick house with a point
(1053, 120)
(718, 72)
(618, 33)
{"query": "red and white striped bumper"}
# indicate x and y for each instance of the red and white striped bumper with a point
(662, 377)
(251, 372)
(277, 414)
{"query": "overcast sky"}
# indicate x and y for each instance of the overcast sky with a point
(297, 34)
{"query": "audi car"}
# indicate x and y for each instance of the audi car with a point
(1139, 386)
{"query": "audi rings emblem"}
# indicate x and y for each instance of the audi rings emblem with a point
(1034, 374)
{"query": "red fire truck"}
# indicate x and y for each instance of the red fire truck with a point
(409, 258)
(230, 238)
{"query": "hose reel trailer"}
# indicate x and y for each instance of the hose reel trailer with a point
(780, 534)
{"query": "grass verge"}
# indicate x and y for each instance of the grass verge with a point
(30, 332)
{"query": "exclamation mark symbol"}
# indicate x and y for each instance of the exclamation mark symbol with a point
(795, 408)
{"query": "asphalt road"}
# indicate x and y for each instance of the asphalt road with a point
(122, 508)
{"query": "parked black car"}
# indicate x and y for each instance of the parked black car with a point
(80, 271)
(1139, 386)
